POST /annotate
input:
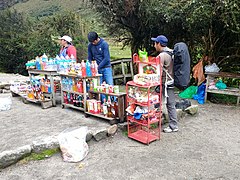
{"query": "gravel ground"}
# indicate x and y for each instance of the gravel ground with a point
(206, 147)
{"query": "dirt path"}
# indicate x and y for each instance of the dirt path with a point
(206, 147)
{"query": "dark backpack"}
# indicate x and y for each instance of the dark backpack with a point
(181, 67)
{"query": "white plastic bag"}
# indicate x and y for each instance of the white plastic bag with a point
(212, 68)
(5, 103)
(73, 144)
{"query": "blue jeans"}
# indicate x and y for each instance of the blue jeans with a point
(108, 78)
(106, 75)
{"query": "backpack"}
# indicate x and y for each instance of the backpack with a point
(181, 66)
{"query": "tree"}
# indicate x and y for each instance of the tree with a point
(209, 27)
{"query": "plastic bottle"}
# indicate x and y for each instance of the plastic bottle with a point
(87, 85)
(44, 58)
(96, 67)
(73, 59)
(88, 69)
(93, 70)
(38, 65)
(104, 107)
(83, 68)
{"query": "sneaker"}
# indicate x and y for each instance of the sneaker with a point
(169, 130)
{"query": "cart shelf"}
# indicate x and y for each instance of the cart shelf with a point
(143, 136)
(142, 122)
(72, 106)
(73, 92)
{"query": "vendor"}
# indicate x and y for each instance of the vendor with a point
(67, 47)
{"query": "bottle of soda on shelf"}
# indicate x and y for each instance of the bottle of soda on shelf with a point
(83, 65)
(109, 113)
(88, 68)
(93, 69)
(104, 107)
(87, 85)
(96, 67)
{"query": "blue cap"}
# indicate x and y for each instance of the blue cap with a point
(161, 39)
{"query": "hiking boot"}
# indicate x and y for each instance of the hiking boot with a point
(169, 130)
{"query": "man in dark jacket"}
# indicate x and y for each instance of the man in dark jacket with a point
(167, 81)
(98, 50)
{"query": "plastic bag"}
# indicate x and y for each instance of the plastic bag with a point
(143, 56)
(73, 144)
(200, 93)
(5, 103)
(189, 92)
(221, 85)
(212, 68)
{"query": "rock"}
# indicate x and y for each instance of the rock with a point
(1, 90)
(44, 144)
(122, 126)
(10, 157)
(192, 109)
(112, 130)
(100, 134)
(89, 136)
(180, 114)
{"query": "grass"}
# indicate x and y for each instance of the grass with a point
(40, 156)
(117, 52)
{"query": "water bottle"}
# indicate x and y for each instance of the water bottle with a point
(88, 69)
(44, 58)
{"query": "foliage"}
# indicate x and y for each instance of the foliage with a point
(42, 155)
(12, 52)
(23, 39)
(210, 27)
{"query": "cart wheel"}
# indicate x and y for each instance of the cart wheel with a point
(14, 94)
(63, 106)
(25, 101)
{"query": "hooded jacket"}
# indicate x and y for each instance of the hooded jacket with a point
(100, 53)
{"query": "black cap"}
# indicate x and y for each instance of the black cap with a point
(92, 36)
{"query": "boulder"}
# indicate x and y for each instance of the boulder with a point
(8, 158)
(112, 130)
(192, 110)
(44, 144)
(100, 134)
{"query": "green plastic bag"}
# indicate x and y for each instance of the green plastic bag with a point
(189, 92)
(221, 85)
(143, 55)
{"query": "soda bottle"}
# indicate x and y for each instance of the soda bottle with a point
(83, 68)
(88, 68)
(104, 107)
(96, 67)
(93, 69)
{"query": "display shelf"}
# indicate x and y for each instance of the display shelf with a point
(72, 106)
(80, 77)
(142, 122)
(100, 116)
(121, 100)
(110, 94)
(73, 92)
(50, 74)
(132, 83)
(143, 136)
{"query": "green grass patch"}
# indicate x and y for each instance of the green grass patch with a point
(125, 133)
(40, 156)
(116, 52)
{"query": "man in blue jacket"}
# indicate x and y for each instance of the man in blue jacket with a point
(98, 50)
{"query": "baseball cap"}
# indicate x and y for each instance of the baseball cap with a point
(66, 38)
(161, 39)
(92, 36)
